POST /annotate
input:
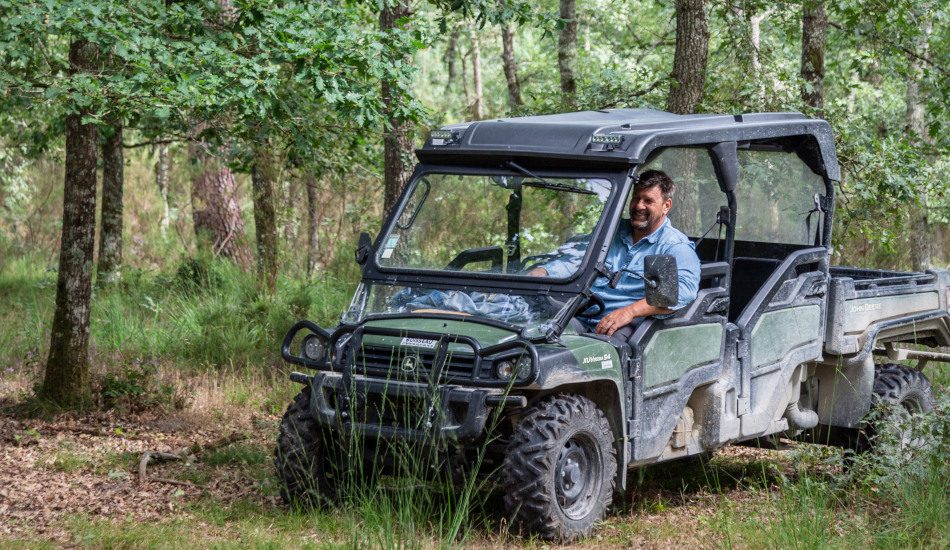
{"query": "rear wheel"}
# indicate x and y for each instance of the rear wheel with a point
(559, 468)
(899, 393)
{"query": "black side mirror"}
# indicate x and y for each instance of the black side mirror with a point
(662, 280)
(363, 247)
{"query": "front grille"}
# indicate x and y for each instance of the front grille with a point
(389, 361)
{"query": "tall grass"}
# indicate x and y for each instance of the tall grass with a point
(200, 313)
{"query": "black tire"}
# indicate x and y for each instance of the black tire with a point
(901, 391)
(904, 386)
(560, 468)
(300, 457)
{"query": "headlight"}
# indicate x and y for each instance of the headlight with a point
(505, 369)
(513, 367)
(313, 348)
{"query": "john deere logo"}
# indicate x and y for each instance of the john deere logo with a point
(410, 363)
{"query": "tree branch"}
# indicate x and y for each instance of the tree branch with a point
(895, 45)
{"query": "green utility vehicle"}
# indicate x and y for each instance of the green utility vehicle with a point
(448, 338)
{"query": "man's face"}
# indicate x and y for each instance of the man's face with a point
(648, 208)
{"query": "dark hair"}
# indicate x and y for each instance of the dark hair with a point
(653, 178)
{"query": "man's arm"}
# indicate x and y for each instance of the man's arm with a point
(688, 268)
(622, 317)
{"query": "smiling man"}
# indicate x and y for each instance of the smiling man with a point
(649, 232)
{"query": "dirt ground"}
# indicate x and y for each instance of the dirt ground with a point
(88, 465)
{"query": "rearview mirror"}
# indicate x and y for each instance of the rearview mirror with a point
(662, 288)
(363, 247)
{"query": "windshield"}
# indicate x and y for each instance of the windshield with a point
(524, 310)
(493, 224)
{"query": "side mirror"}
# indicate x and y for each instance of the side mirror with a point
(662, 280)
(363, 247)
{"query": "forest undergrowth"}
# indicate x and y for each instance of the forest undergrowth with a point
(184, 356)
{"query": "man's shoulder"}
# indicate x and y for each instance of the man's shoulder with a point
(672, 236)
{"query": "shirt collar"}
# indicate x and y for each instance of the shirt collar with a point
(652, 238)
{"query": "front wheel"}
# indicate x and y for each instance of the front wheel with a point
(300, 457)
(560, 468)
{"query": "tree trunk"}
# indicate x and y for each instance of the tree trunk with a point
(219, 225)
(263, 175)
(921, 239)
(313, 227)
(567, 51)
(162, 167)
(451, 52)
(397, 141)
(478, 106)
(814, 25)
(66, 381)
(689, 61)
(510, 66)
(110, 234)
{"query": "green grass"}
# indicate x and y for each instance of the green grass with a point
(198, 314)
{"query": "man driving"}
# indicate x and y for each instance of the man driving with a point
(648, 233)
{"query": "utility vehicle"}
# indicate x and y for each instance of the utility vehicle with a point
(447, 327)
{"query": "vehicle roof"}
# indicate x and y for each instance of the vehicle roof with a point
(567, 136)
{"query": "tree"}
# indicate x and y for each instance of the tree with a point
(510, 65)
(814, 27)
(397, 137)
(478, 105)
(313, 226)
(66, 381)
(567, 50)
(216, 213)
(263, 176)
(110, 234)
(162, 168)
(921, 239)
(689, 60)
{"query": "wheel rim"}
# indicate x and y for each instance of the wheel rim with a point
(578, 476)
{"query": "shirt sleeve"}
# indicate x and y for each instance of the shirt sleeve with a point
(688, 267)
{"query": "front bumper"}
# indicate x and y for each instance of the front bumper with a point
(392, 409)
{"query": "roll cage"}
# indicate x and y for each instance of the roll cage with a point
(613, 145)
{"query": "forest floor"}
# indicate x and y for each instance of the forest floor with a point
(186, 357)
(73, 480)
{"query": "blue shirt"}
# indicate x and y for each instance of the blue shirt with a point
(623, 253)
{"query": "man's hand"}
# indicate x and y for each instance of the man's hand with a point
(616, 320)
(538, 272)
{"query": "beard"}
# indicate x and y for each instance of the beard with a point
(641, 220)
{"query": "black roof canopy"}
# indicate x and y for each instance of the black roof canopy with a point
(567, 137)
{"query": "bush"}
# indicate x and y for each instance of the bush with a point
(137, 387)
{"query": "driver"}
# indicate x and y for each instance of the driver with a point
(649, 232)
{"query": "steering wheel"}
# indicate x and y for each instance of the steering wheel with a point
(593, 301)
(530, 262)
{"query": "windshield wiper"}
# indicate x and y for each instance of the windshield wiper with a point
(545, 183)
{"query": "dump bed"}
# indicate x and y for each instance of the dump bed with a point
(868, 305)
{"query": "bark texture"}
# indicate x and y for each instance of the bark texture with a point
(397, 141)
(219, 225)
(689, 61)
(313, 227)
(478, 105)
(451, 52)
(263, 176)
(814, 27)
(567, 51)
(510, 66)
(110, 234)
(921, 237)
(66, 381)
(162, 170)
